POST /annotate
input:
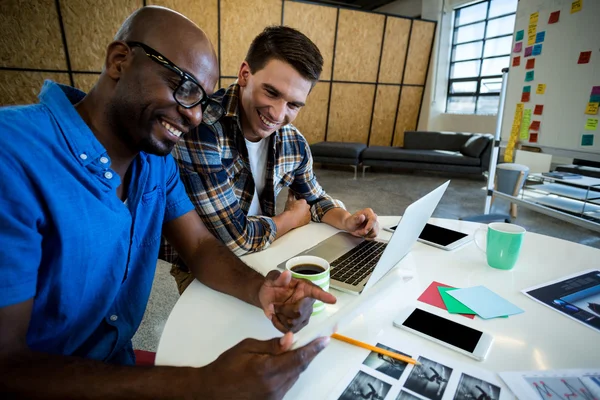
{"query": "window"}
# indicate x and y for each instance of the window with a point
(481, 46)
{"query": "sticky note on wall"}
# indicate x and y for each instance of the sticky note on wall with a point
(576, 6)
(554, 17)
(592, 108)
(529, 76)
(591, 124)
(541, 88)
(587, 139)
(519, 35)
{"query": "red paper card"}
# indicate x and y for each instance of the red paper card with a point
(530, 64)
(538, 110)
(525, 97)
(516, 61)
(584, 57)
(432, 296)
(533, 138)
(535, 125)
(554, 17)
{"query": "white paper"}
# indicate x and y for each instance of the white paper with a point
(437, 378)
(566, 384)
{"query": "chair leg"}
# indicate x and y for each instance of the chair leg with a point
(364, 169)
(355, 170)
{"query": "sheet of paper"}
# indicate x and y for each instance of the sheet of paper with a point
(432, 296)
(530, 64)
(527, 89)
(535, 126)
(525, 97)
(592, 108)
(528, 51)
(518, 47)
(452, 305)
(595, 98)
(537, 50)
(591, 124)
(519, 35)
(574, 296)
(531, 39)
(576, 6)
(439, 377)
(529, 76)
(554, 17)
(484, 302)
(587, 139)
(540, 37)
(584, 57)
(516, 61)
(541, 88)
(533, 137)
(525, 123)
(539, 109)
(595, 90)
(583, 384)
(533, 18)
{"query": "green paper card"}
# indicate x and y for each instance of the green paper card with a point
(454, 306)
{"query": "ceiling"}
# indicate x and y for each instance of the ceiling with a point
(364, 5)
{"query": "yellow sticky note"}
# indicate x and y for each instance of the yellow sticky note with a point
(541, 88)
(591, 124)
(531, 30)
(576, 6)
(592, 108)
(533, 18)
(530, 39)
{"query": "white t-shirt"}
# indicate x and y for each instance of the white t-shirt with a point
(258, 152)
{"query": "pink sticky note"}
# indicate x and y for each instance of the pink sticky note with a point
(528, 51)
(518, 47)
(432, 296)
(596, 90)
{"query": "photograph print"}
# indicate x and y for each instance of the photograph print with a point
(429, 379)
(385, 364)
(470, 388)
(365, 386)
(406, 396)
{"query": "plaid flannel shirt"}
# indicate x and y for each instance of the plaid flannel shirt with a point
(214, 167)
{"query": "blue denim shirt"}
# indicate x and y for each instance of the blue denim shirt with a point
(66, 240)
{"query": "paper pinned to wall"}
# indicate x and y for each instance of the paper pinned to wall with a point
(519, 35)
(535, 126)
(516, 61)
(530, 64)
(525, 97)
(540, 37)
(528, 51)
(584, 57)
(554, 17)
(576, 6)
(525, 124)
(527, 89)
(514, 133)
(591, 124)
(541, 88)
(539, 109)
(592, 108)
(531, 39)
(518, 47)
(587, 139)
(529, 76)
(595, 90)
(534, 17)
(533, 137)
(537, 50)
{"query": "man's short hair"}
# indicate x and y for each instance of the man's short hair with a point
(288, 45)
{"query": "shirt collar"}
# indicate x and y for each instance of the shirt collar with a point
(60, 100)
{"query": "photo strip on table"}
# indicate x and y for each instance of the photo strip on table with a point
(406, 396)
(365, 386)
(385, 364)
(470, 388)
(429, 379)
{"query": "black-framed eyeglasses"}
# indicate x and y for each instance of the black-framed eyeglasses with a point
(188, 93)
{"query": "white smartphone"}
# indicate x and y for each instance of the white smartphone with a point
(458, 337)
(439, 237)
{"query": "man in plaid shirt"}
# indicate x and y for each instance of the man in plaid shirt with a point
(234, 169)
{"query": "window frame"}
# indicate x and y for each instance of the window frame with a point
(477, 93)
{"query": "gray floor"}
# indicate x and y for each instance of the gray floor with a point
(387, 194)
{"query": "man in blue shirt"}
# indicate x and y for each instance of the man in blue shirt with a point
(87, 189)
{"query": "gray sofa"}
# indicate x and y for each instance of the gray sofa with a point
(436, 151)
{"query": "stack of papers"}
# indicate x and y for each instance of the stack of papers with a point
(477, 300)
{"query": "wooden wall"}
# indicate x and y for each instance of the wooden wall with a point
(371, 88)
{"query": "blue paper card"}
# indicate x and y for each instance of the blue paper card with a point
(519, 35)
(537, 50)
(526, 89)
(484, 302)
(539, 38)
(529, 76)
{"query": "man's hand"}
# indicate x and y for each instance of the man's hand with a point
(362, 223)
(288, 302)
(298, 208)
(255, 369)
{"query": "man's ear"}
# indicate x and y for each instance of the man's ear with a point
(244, 74)
(118, 54)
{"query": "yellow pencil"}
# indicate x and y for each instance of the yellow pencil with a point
(375, 349)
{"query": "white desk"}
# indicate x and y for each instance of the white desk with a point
(204, 323)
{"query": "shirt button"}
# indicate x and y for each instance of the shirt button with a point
(83, 156)
(103, 160)
(108, 175)
(113, 318)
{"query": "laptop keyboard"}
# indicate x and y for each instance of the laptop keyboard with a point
(352, 267)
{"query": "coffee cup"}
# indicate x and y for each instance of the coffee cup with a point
(314, 269)
(502, 245)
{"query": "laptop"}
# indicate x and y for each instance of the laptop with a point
(357, 264)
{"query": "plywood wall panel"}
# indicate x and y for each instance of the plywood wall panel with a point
(358, 46)
(25, 47)
(408, 112)
(85, 82)
(384, 115)
(205, 13)
(90, 25)
(397, 31)
(316, 22)
(312, 118)
(350, 112)
(241, 21)
(421, 40)
(18, 87)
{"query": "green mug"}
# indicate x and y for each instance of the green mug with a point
(314, 269)
(503, 244)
